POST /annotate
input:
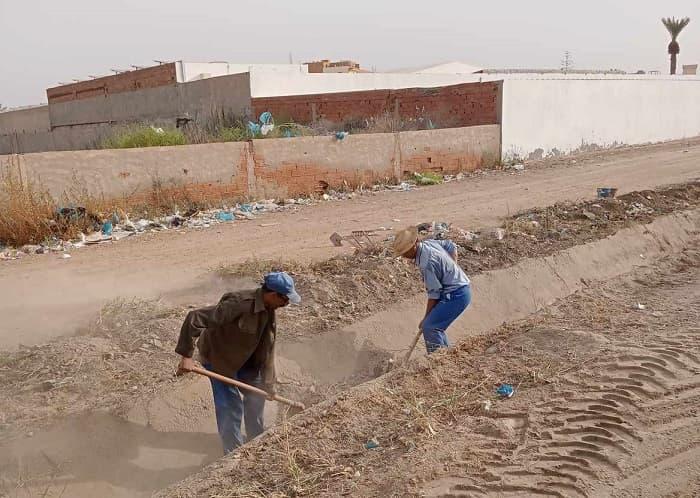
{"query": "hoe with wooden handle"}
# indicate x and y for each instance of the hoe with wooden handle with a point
(242, 385)
(413, 346)
(404, 363)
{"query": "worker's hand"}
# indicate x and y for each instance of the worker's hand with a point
(185, 366)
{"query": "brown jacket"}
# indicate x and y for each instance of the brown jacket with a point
(237, 332)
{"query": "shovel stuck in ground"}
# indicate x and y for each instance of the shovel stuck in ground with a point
(295, 405)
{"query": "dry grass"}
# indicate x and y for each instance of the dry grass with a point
(29, 214)
(324, 448)
(99, 368)
(26, 210)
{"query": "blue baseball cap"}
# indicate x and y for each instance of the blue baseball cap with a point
(282, 283)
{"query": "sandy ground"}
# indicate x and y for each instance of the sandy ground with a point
(606, 404)
(99, 414)
(44, 297)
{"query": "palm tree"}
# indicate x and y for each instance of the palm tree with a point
(674, 27)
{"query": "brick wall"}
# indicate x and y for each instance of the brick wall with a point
(466, 104)
(149, 77)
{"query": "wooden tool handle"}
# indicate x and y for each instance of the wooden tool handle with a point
(248, 387)
(413, 346)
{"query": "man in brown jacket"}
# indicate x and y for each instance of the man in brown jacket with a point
(236, 338)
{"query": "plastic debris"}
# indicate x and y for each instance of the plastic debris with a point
(264, 127)
(340, 135)
(516, 167)
(640, 306)
(266, 118)
(122, 227)
(505, 391)
(11, 254)
(606, 192)
(225, 216)
(638, 208)
(253, 128)
(402, 187)
(371, 444)
(486, 405)
(65, 255)
(498, 233)
(468, 235)
(440, 230)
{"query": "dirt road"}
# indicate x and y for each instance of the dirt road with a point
(44, 297)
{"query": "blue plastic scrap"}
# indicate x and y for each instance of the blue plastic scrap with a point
(606, 192)
(225, 216)
(505, 390)
(265, 118)
(371, 444)
(107, 228)
(340, 135)
(254, 128)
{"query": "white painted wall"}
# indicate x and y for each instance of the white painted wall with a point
(192, 71)
(265, 84)
(564, 113)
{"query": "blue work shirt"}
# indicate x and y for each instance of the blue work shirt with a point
(440, 272)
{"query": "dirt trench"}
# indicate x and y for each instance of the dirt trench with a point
(100, 414)
(607, 385)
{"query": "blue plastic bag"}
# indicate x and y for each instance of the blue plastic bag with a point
(253, 128)
(225, 216)
(265, 118)
(505, 390)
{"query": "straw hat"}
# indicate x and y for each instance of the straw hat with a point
(404, 240)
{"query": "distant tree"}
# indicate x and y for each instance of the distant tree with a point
(674, 27)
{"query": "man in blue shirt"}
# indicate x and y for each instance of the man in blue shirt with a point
(447, 285)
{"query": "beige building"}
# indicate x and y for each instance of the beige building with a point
(690, 69)
(326, 66)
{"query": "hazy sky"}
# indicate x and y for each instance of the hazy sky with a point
(43, 42)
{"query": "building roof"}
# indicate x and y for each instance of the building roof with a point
(454, 67)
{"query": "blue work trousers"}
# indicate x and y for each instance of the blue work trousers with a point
(232, 406)
(446, 311)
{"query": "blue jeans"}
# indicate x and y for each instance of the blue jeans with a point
(231, 406)
(446, 311)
